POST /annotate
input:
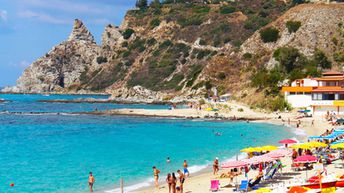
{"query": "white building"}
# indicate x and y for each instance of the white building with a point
(322, 95)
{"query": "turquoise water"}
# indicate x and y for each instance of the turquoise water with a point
(55, 152)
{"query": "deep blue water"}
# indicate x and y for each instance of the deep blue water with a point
(54, 153)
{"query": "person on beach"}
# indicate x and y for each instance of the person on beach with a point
(91, 181)
(294, 154)
(185, 166)
(156, 176)
(168, 160)
(174, 183)
(181, 180)
(169, 182)
(216, 166)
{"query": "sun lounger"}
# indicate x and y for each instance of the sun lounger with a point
(214, 185)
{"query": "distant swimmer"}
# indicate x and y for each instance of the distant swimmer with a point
(218, 134)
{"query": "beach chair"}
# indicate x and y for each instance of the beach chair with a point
(214, 185)
(254, 185)
(270, 175)
(243, 186)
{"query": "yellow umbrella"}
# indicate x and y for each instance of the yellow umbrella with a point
(301, 146)
(315, 144)
(338, 146)
(251, 149)
(268, 148)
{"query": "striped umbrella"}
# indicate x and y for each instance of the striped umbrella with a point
(234, 164)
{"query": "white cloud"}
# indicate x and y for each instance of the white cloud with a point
(23, 64)
(43, 17)
(3, 15)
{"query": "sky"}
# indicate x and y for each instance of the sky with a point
(30, 28)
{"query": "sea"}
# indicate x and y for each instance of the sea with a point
(49, 147)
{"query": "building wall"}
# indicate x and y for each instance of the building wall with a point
(307, 82)
(298, 101)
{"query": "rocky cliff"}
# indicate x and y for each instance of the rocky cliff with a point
(173, 50)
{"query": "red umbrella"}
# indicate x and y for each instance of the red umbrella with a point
(234, 164)
(305, 159)
(287, 141)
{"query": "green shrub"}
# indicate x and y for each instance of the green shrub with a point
(208, 85)
(154, 23)
(279, 104)
(287, 57)
(127, 33)
(240, 110)
(201, 9)
(202, 42)
(193, 20)
(101, 59)
(221, 75)
(125, 54)
(227, 9)
(338, 57)
(321, 60)
(165, 44)
(293, 26)
(269, 35)
(151, 41)
(125, 44)
(247, 56)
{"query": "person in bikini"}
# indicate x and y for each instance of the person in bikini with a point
(156, 176)
(91, 181)
(216, 166)
(169, 182)
(181, 180)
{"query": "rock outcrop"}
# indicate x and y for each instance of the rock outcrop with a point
(62, 66)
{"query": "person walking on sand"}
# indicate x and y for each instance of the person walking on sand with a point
(181, 180)
(216, 166)
(156, 176)
(91, 181)
(185, 170)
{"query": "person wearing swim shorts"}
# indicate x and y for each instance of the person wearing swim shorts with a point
(156, 176)
(185, 170)
(91, 181)
(216, 166)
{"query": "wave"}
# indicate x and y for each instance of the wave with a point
(134, 187)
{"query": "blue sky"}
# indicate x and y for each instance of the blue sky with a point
(30, 28)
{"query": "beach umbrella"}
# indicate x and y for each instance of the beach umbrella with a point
(285, 152)
(315, 144)
(306, 159)
(287, 141)
(250, 161)
(301, 146)
(250, 150)
(268, 148)
(274, 155)
(338, 146)
(263, 158)
(234, 164)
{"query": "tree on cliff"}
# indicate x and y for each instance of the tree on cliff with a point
(141, 4)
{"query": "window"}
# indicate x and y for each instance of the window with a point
(307, 93)
(292, 93)
(341, 97)
(327, 96)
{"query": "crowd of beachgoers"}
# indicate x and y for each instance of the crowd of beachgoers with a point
(312, 166)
